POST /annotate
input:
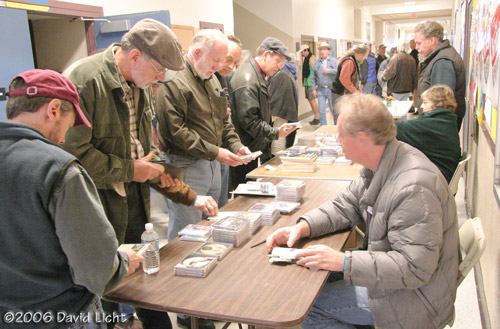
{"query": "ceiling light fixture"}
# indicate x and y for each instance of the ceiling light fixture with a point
(410, 3)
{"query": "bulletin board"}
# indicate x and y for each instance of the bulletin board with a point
(484, 73)
(483, 70)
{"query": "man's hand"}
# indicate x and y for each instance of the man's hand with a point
(228, 158)
(315, 93)
(206, 204)
(134, 261)
(322, 257)
(244, 151)
(285, 130)
(144, 170)
(326, 71)
(166, 180)
(287, 235)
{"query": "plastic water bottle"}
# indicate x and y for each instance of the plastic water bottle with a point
(151, 263)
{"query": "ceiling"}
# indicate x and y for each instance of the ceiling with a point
(419, 15)
(405, 10)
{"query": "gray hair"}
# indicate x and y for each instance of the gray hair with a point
(367, 113)
(430, 29)
(204, 39)
(403, 46)
(359, 49)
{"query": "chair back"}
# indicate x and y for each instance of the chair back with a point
(472, 244)
(458, 173)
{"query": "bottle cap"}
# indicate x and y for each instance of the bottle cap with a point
(149, 226)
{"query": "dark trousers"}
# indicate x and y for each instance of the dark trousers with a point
(239, 173)
(137, 220)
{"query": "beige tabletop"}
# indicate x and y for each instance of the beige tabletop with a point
(323, 171)
(244, 287)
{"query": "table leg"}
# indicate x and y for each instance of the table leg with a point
(194, 322)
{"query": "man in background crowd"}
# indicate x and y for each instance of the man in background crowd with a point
(442, 65)
(401, 74)
(250, 104)
(223, 75)
(324, 71)
(307, 69)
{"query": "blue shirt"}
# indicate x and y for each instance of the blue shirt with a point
(320, 79)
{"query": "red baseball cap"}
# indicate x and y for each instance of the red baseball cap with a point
(48, 83)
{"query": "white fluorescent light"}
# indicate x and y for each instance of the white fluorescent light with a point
(410, 3)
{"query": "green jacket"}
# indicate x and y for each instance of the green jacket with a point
(435, 134)
(104, 149)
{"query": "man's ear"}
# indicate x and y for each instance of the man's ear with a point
(53, 110)
(363, 137)
(197, 53)
(134, 56)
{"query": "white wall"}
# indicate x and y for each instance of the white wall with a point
(324, 18)
(187, 12)
(276, 12)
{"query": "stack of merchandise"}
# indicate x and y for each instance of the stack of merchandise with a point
(232, 230)
(322, 135)
(331, 151)
(315, 149)
(332, 141)
(325, 160)
(214, 249)
(308, 140)
(254, 218)
(194, 232)
(343, 161)
(194, 265)
(285, 207)
(270, 214)
(290, 190)
(305, 162)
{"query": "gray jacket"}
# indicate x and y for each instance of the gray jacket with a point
(411, 265)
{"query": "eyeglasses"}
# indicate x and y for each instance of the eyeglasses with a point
(158, 72)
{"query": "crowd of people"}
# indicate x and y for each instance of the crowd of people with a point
(79, 156)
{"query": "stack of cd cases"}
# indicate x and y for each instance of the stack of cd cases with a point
(231, 230)
(214, 249)
(194, 232)
(254, 218)
(193, 265)
(290, 190)
(270, 214)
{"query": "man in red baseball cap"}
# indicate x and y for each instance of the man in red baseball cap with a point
(59, 251)
(56, 92)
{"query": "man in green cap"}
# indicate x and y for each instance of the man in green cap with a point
(115, 95)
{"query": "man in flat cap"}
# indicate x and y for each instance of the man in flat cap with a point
(250, 109)
(59, 251)
(323, 74)
(115, 95)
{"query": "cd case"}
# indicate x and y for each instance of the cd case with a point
(214, 249)
(193, 265)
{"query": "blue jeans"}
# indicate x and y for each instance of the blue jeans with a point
(203, 177)
(369, 88)
(93, 312)
(339, 305)
(224, 185)
(323, 95)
